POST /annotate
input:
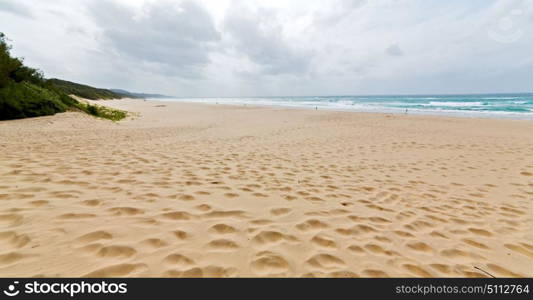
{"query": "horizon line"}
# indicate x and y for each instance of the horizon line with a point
(361, 95)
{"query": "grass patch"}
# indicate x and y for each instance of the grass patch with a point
(102, 111)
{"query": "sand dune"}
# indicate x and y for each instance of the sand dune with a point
(189, 190)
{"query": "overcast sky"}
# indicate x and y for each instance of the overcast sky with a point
(286, 47)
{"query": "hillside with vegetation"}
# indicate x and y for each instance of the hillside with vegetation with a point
(138, 95)
(24, 92)
(85, 91)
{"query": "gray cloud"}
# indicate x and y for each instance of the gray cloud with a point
(298, 47)
(258, 36)
(16, 8)
(169, 38)
(338, 12)
(394, 50)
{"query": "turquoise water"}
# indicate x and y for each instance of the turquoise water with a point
(516, 106)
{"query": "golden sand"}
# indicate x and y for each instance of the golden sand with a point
(212, 190)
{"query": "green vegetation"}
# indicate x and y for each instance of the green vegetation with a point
(84, 91)
(22, 100)
(102, 111)
(24, 92)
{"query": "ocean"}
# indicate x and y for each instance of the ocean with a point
(515, 106)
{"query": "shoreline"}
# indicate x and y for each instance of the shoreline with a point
(193, 190)
(412, 112)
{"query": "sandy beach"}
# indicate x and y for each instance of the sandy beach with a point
(196, 190)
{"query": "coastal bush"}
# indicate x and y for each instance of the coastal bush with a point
(24, 92)
(23, 100)
(92, 109)
(13, 70)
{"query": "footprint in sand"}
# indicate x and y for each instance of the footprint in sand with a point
(208, 272)
(356, 230)
(94, 236)
(519, 249)
(265, 238)
(222, 245)
(460, 254)
(379, 220)
(222, 229)
(118, 270)
(325, 261)
(280, 211)
(93, 202)
(481, 232)
(444, 269)
(14, 239)
(155, 243)
(186, 197)
(76, 216)
(475, 244)
(11, 257)
(126, 211)
(176, 259)
(177, 216)
(503, 271)
(290, 197)
(38, 203)
(203, 207)
(356, 249)
(312, 224)
(202, 193)
(420, 246)
(268, 263)
(92, 248)
(403, 234)
(11, 220)
(343, 274)
(221, 214)
(180, 234)
(231, 195)
(417, 271)
(375, 273)
(116, 251)
(377, 249)
(324, 241)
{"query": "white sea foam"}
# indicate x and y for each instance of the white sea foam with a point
(500, 107)
(453, 104)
